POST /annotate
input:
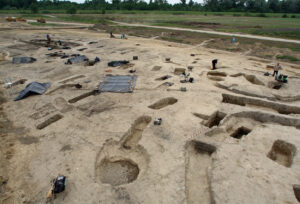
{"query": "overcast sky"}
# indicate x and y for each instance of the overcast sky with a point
(170, 1)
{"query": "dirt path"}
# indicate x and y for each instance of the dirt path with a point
(213, 32)
(64, 23)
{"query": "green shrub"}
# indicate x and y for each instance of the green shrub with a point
(293, 16)
(178, 13)
(284, 16)
(287, 57)
(103, 11)
(247, 14)
(236, 14)
(261, 15)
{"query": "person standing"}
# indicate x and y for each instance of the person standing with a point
(276, 69)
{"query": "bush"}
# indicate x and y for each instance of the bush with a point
(45, 12)
(247, 14)
(34, 8)
(103, 11)
(218, 14)
(287, 57)
(236, 14)
(284, 16)
(72, 10)
(177, 13)
(205, 14)
(293, 16)
(261, 15)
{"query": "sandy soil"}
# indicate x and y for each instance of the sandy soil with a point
(107, 144)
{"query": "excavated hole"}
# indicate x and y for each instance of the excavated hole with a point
(237, 75)
(156, 68)
(165, 77)
(215, 119)
(53, 44)
(216, 73)
(274, 85)
(282, 152)
(296, 189)
(179, 71)
(163, 103)
(134, 134)
(215, 78)
(118, 172)
(252, 79)
(240, 132)
(202, 147)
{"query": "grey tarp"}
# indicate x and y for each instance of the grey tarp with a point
(117, 63)
(77, 59)
(33, 88)
(118, 84)
(19, 60)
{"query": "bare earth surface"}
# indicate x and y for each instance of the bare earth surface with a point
(230, 138)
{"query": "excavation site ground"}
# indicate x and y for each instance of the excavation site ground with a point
(229, 135)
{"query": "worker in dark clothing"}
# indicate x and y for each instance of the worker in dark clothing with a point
(214, 62)
(111, 35)
(48, 39)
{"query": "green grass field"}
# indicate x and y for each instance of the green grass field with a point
(272, 25)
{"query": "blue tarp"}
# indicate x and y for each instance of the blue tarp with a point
(118, 84)
(33, 88)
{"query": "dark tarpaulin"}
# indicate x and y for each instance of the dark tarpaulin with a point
(118, 84)
(117, 63)
(77, 59)
(33, 88)
(19, 60)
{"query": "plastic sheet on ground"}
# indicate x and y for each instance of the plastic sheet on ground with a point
(77, 59)
(117, 63)
(33, 88)
(19, 60)
(118, 84)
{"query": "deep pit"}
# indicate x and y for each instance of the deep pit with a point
(163, 103)
(282, 152)
(296, 189)
(118, 172)
(165, 77)
(240, 132)
(253, 79)
(217, 73)
(134, 134)
(214, 119)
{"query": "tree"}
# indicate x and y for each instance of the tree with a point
(72, 10)
(191, 3)
(183, 2)
(274, 5)
(34, 8)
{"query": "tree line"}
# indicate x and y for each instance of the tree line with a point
(261, 6)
